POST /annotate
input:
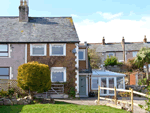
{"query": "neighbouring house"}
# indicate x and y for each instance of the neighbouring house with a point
(109, 79)
(49, 40)
(123, 51)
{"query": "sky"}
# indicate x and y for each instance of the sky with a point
(93, 19)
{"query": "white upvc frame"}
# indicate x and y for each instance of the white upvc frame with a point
(133, 52)
(50, 50)
(31, 49)
(60, 69)
(83, 50)
(9, 50)
(92, 83)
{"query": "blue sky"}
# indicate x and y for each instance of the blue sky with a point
(93, 19)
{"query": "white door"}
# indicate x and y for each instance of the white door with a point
(109, 82)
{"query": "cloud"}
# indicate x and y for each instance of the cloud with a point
(113, 30)
(109, 15)
(75, 16)
(131, 13)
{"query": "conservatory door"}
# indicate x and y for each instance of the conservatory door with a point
(108, 82)
(103, 83)
(111, 84)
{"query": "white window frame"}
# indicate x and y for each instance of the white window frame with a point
(31, 49)
(50, 50)
(8, 49)
(111, 53)
(83, 50)
(9, 72)
(62, 69)
(92, 83)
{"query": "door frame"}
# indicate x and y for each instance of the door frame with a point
(107, 85)
(86, 78)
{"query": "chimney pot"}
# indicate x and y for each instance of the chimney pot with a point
(23, 11)
(145, 39)
(103, 41)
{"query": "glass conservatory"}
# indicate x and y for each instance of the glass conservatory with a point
(108, 79)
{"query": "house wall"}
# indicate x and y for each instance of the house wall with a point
(129, 55)
(67, 61)
(119, 55)
(17, 58)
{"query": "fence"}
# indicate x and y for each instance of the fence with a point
(5, 84)
(115, 96)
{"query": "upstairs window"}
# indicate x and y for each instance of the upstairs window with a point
(3, 50)
(57, 49)
(4, 72)
(58, 74)
(38, 49)
(81, 54)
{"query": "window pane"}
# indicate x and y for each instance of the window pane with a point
(103, 84)
(120, 82)
(94, 83)
(57, 76)
(134, 54)
(80, 54)
(4, 77)
(3, 54)
(4, 71)
(37, 50)
(111, 85)
(57, 50)
(3, 47)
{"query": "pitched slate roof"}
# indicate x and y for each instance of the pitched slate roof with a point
(38, 29)
(129, 46)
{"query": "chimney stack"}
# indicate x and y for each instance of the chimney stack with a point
(103, 41)
(145, 39)
(123, 47)
(23, 11)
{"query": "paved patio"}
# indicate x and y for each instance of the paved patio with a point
(91, 101)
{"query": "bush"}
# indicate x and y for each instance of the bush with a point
(34, 76)
(110, 61)
(72, 92)
(131, 64)
(3, 93)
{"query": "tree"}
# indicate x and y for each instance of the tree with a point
(34, 76)
(111, 61)
(94, 58)
(143, 58)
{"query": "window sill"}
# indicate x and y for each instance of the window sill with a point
(38, 55)
(57, 55)
(5, 57)
(82, 59)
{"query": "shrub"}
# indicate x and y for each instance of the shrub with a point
(3, 93)
(34, 76)
(110, 61)
(72, 92)
(131, 64)
(11, 92)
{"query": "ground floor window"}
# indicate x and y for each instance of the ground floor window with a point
(95, 83)
(4, 72)
(120, 82)
(58, 74)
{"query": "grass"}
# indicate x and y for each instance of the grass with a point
(59, 107)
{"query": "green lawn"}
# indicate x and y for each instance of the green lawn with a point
(59, 107)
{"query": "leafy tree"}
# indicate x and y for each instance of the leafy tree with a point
(94, 58)
(143, 58)
(111, 61)
(34, 76)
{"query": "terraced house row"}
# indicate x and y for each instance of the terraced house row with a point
(49, 40)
